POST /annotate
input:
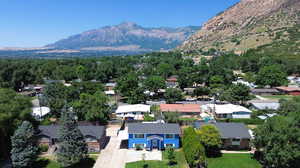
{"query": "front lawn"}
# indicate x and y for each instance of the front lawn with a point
(229, 160)
(181, 162)
(49, 163)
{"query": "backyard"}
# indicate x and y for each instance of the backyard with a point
(233, 161)
(181, 162)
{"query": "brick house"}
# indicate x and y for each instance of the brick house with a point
(233, 135)
(95, 136)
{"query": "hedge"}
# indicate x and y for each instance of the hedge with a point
(250, 121)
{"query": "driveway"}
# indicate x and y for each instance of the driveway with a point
(112, 156)
(115, 157)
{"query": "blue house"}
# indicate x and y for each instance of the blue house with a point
(153, 135)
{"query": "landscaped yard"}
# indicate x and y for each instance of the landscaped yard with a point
(44, 162)
(233, 161)
(181, 162)
(278, 97)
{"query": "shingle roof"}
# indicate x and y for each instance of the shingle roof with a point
(288, 89)
(153, 128)
(52, 131)
(229, 130)
(264, 91)
(181, 108)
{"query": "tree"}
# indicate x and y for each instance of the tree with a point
(55, 94)
(171, 156)
(211, 139)
(171, 117)
(278, 141)
(14, 108)
(92, 107)
(154, 83)
(201, 91)
(240, 93)
(24, 150)
(216, 81)
(193, 150)
(272, 75)
(289, 106)
(127, 84)
(172, 95)
(72, 146)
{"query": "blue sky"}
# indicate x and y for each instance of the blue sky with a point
(30, 23)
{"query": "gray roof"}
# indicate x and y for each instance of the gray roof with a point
(266, 105)
(153, 128)
(52, 131)
(229, 130)
(265, 90)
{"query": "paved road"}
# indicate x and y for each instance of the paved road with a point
(112, 156)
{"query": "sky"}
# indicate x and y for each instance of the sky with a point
(35, 23)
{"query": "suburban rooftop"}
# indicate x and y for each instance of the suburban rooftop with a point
(153, 128)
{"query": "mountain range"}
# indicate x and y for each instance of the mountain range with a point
(127, 36)
(250, 24)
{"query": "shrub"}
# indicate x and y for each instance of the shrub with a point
(250, 121)
(43, 148)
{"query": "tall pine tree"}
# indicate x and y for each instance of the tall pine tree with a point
(24, 150)
(72, 147)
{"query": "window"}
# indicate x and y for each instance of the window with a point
(169, 136)
(235, 141)
(169, 145)
(139, 136)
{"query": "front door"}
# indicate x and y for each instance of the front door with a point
(155, 144)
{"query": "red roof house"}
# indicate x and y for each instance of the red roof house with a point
(183, 109)
(295, 91)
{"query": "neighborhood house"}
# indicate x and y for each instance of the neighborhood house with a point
(95, 136)
(233, 135)
(133, 112)
(153, 135)
(227, 110)
(265, 92)
(171, 82)
(185, 110)
(295, 91)
(264, 104)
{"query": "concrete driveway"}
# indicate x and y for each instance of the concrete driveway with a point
(115, 157)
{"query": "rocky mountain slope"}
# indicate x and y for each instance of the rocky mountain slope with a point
(126, 36)
(247, 24)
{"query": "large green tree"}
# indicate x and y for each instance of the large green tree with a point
(13, 109)
(211, 139)
(24, 150)
(72, 146)
(154, 83)
(278, 141)
(272, 75)
(56, 97)
(172, 95)
(92, 107)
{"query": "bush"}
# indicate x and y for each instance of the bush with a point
(147, 117)
(138, 147)
(43, 148)
(250, 121)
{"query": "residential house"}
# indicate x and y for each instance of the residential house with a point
(172, 82)
(95, 136)
(153, 135)
(233, 135)
(295, 91)
(110, 86)
(264, 104)
(185, 110)
(265, 91)
(133, 111)
(227, 110)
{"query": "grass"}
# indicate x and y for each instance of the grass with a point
(44, 162)
(229, 160)
(278, 97)
(181, 162)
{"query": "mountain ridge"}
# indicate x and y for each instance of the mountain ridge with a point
(126, 35)
(245, 25)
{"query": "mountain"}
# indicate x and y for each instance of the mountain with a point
(126, 36)
(249, 24)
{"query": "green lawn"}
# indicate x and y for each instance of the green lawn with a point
(181, 163)
(48, 163)
(233, 161)
(278, 97)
